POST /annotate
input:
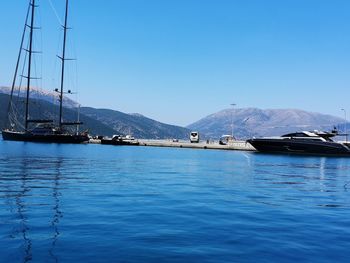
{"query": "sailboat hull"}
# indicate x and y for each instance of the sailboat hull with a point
(44, 138)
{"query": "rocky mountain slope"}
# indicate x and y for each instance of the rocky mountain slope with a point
(40, 94)
(40, 109)
(99, 121)
(248, 122)
(136, 124)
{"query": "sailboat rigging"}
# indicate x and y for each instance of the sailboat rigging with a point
(45, 130)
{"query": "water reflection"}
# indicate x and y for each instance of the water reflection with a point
(23, 186)
(319, 180)
(56, 208)
(21, 210)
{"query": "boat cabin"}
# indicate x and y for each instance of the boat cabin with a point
(306, 135)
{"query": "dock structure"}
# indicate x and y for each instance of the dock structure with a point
(235, 145)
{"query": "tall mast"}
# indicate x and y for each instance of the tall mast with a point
(63, 58)
(17, 66)
(29, 63)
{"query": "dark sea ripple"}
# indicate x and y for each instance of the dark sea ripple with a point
(94, 203)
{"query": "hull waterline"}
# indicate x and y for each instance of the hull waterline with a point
(119, 142)
(44, 138)
(300, 147)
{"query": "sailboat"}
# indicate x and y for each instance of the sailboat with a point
(44, 130)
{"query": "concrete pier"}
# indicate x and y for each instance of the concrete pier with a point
(235, 145)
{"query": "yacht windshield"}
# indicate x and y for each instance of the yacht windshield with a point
(296, 134)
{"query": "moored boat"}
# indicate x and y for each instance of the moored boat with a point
(305, 142)
(45, 135)
(120, 140)
(44, 130)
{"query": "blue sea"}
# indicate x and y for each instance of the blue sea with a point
(95, 203)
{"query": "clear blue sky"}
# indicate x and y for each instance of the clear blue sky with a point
(179, 60)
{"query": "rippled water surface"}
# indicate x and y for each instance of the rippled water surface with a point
(94, 203)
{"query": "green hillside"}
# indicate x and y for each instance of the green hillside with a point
(98, 121)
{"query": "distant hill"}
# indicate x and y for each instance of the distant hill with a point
(45, 110)
(248, 122)
(139, 125)
(99, 121)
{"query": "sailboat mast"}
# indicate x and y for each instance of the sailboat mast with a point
(63, 62)
(29, 63)
(17, 66)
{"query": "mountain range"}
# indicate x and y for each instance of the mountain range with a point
(246, 122)
(249, 122)
(97, 121)
(41, 94)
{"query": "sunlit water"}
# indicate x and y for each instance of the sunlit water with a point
(94, 203)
